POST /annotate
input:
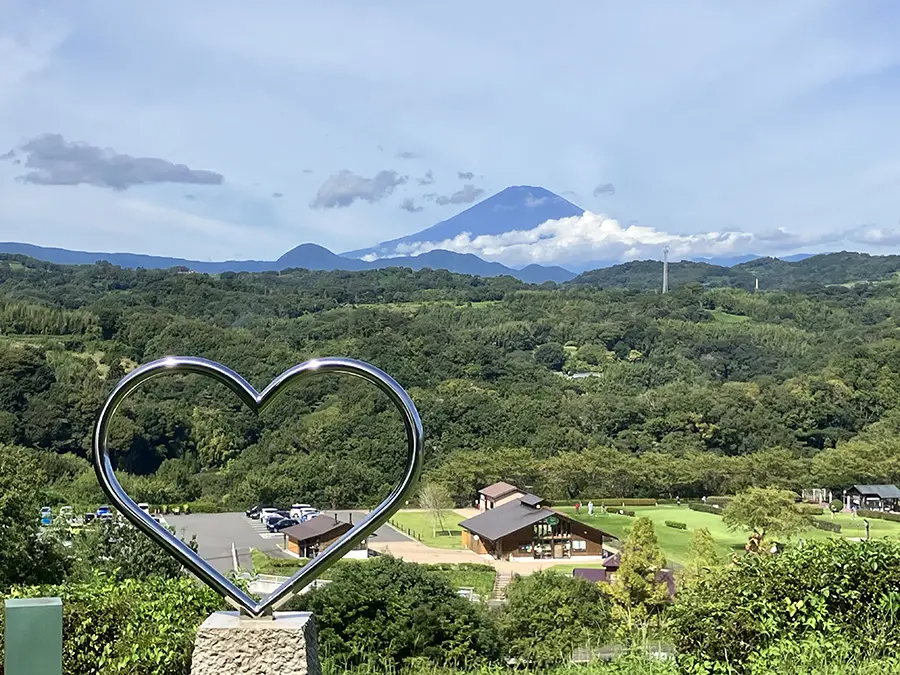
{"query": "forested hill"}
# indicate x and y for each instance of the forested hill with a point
(699, 391)
(773, 274)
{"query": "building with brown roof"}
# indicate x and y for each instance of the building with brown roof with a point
(310, 538)
(498, 494)
(524, 527)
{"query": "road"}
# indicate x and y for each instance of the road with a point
(216, 532)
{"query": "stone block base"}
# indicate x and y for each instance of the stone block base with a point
(228, 644)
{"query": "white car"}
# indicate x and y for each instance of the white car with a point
(299, 510)
(145, 507)
(266, 513)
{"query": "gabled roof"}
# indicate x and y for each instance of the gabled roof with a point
(881, 491)
(316, 528)
(498, 490)
(496, 523)
(506, 519)
(529, 499)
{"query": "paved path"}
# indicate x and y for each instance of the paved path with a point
(216, 532)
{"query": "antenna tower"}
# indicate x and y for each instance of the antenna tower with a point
(665, 288)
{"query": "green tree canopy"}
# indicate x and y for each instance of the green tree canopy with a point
(765, 512)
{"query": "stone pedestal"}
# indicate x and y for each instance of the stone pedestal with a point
(228, 644)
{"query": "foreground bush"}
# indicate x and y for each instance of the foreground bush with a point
(548, 615)
(384, 612)
(845, 593)
(136, 627)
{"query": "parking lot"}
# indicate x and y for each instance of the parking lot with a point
(216, 532)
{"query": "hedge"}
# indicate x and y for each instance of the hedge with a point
(809, 509)
(624, 512)
(705, 508)
(825, 525)
(613, 502)
(676, 525)
(865, 513)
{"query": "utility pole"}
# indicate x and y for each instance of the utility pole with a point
(756, 289)
(665, 288)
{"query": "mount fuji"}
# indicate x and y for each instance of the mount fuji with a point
(521, 207)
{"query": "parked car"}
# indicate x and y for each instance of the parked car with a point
(104, 513)
(89, 518)
(283, 523)
(145, 507)
(253, 511)
(46, 515)
(66, 513)
(298, 509)
(272, 525)
(265, 512)
(309, 514)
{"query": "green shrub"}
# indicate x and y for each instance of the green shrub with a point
(548, 615)
(825, 525)
(384, 612)
(721, 501)
(809, 509)
(882, 515)
(705, 508)
(836, 505)
(623, 512)
(141, 627)
(676, 525)
(732, 615)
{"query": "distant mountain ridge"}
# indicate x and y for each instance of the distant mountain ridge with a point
(520, 207)
(796, 271)
(308, 256)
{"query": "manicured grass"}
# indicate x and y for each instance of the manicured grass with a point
(479, 577)
(420, 523)
(674, 543)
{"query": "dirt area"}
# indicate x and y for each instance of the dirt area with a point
(414, 551)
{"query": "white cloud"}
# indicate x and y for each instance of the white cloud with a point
(593, 237)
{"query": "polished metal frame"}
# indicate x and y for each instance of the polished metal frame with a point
(257, 401)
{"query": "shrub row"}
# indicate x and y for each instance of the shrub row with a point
(865, 513)
(623, 512)
(705, 508)
(809, 509)
(613, 502)
(825, 525)
(721, 501)
(676, 525)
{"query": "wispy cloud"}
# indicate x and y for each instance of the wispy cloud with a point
(605, 189)
(466, 195)
(427, 179)
(465, 175)
(345, 187)
(410, 205)
(406, 154)
(55, 161)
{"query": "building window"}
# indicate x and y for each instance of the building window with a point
(579, 545)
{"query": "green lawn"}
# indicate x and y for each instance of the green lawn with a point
(479, 577)
(674, 543)
(420, 522)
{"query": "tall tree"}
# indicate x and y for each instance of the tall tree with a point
(25, 558)
(702, 556)
(639, 590)
(765, 512)
(435, 498)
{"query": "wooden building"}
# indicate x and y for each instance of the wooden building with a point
(607, 574)
(310, 538)
(872, 497)
(496, 495)
(525, 528)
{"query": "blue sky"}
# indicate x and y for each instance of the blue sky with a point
(279, 123)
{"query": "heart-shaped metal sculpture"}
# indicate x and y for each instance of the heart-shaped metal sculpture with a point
(257, 401)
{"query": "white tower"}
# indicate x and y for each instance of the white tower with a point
(665, 269)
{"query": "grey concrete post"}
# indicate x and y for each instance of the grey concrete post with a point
(236, 645)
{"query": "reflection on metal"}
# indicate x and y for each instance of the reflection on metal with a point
(257, 401)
